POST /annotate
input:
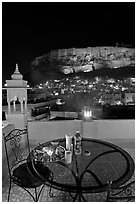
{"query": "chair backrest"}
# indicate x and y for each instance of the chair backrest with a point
(17, 148)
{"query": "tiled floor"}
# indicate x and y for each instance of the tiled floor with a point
(20, 195)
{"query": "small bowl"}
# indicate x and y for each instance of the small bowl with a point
(54, 143)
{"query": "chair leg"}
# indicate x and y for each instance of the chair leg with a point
(126, 192)
(36, 196)
(108, 190)
(9, 191)
(50, 190)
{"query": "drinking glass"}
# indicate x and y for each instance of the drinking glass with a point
(68, 156)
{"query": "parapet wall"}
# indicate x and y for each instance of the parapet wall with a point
(110, 130)
(42, 131)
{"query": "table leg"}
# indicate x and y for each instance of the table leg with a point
(83, 197)
(78, 195)
(75, 197)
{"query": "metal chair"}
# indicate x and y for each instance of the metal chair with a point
(124, 193)
(17, 149)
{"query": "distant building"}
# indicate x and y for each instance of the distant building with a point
(129, 98)
(105, 99)
(132, 81)
(117, 98)
(111, 99)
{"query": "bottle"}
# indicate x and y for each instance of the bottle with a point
(77, 143)
(68, 141)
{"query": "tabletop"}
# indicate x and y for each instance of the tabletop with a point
(98, 163)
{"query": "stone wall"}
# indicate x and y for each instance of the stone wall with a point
(91, 50)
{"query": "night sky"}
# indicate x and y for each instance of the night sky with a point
(32, 29)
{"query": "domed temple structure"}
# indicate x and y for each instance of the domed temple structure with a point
(17, 92)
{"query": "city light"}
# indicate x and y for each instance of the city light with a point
(103, 89)
(87, 113)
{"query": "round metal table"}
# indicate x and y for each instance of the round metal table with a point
(90, 172)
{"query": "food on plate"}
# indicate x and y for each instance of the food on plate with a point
(50, 153)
